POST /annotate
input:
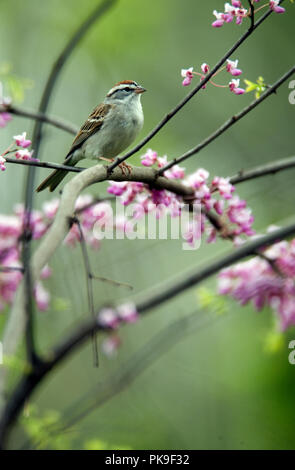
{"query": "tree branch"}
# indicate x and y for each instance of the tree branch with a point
(188, 97)
(229, 123)
(38, 116)
(263, 170)
(89, 286)
(251, 7)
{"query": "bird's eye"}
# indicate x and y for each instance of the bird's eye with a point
(127, 89)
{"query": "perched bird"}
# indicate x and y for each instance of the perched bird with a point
(110, 128)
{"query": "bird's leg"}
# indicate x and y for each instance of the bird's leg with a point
(124, 166)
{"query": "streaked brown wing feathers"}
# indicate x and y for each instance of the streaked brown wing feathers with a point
(90, 126)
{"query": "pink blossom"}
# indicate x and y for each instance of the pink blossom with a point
(123, 224)
(42, 296)
(240, 14)
(45, 272)
(127, 312)
(83, 201)
(2, 163)
(203, 192)
(256, 281)
(197, 179)
(229, 12)
(38, 225)
(240, 215)
(73, 236)
(212, 236)
(219, 207)
(176, 172)
(4, 118)
(236, 3)
(231, 67)
(205, 68)
(162, 161)
(22, 141)
(117, 187)
(219, 19)
(224, 187)
(234, 87)
(25, 155)
(188, 74)
(110, 345)
(274, 5)
(50, 208)
(108, 318)
(149, 158)
(132, 190)
(193, 232)
(9, 281)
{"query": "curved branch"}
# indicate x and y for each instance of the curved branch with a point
(58, 230)
(263, 170)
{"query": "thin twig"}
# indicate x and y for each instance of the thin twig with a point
(8, 269)
(230, 122)
(188, 97)
(113, 282)
(251, 16)
(55, 166)
(89, 277)
(38, 116)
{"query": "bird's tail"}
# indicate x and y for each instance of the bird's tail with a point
(53, 180)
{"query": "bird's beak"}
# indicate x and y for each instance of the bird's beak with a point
(139, 89)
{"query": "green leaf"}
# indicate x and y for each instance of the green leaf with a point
(97, 444)
(259, 87)
(273, 342)
(209, 300)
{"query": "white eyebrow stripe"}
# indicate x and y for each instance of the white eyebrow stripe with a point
(94, 119)
(121, 87)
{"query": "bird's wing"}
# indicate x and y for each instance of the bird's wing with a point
(91, 126)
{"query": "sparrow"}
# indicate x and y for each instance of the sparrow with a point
(109, 129)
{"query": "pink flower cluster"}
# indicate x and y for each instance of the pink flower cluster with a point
(11, 229)
(255, 281)
(5, 117)
(21, 153)
(236, 11)
(237, 218)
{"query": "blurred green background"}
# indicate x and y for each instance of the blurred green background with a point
(227, 383)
